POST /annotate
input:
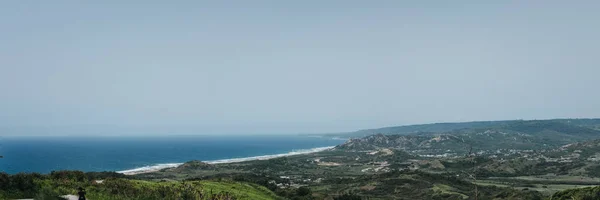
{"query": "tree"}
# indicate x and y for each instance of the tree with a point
(4, 180)
(47, 193)
(24, 182)
(303, 191)
(77, 176)
(347, 197)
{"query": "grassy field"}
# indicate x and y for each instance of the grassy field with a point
(446, 189)
(240, 190)
(136, 189)
(544, 185)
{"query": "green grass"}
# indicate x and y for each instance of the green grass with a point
(138, 188)
(551, 189)
(546, 189)
(578, 194)
(445, 189)
(240, 190)
(490, 183)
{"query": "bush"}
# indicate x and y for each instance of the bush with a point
(347, 197)
(77, 176)
(303, 191)
(589, 193)
(47, 193)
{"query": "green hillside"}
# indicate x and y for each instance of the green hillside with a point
(533, 134)
(418, 185)
(456, 126)
(66, 182)
(137, 189)
(588, 123)
(430, 128)
(588, 193)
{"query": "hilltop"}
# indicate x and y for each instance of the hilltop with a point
(425, 128)
(593, 123)
(516, 148)
(534, 134)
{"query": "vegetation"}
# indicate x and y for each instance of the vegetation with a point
(65, 182)
(451, 127)
(589, 193)
(347, 197)
(422, 185)
(427, 128)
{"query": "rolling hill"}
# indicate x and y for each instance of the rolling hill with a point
(449, 127)
(534, 134)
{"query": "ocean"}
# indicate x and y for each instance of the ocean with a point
(131, 154)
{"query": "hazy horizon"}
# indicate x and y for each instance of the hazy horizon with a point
(175, 131)
(270, 67)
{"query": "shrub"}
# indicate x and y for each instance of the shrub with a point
(347, 197)
(303, 191)
(47, 193)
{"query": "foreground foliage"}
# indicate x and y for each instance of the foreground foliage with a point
(589, 193)
(114, 188)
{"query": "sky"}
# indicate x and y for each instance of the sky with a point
(285, 67)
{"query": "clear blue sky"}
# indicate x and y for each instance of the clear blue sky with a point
(210, 67)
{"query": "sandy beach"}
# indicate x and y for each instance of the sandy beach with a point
(158, 167)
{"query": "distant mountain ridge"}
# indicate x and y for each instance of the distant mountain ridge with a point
(435, 127)
(517, 148)
(591, 123)
(518, 134)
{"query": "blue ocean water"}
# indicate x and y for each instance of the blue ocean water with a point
(45, 154)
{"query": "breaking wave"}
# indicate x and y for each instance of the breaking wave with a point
(157, 167)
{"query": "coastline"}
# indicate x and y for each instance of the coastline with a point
(158, 167)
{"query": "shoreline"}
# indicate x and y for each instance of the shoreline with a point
(158, 167)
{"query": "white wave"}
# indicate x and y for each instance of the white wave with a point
(266, 157)
(147, 169)
(158, 167)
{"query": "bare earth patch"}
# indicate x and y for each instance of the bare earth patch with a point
(367, 187)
